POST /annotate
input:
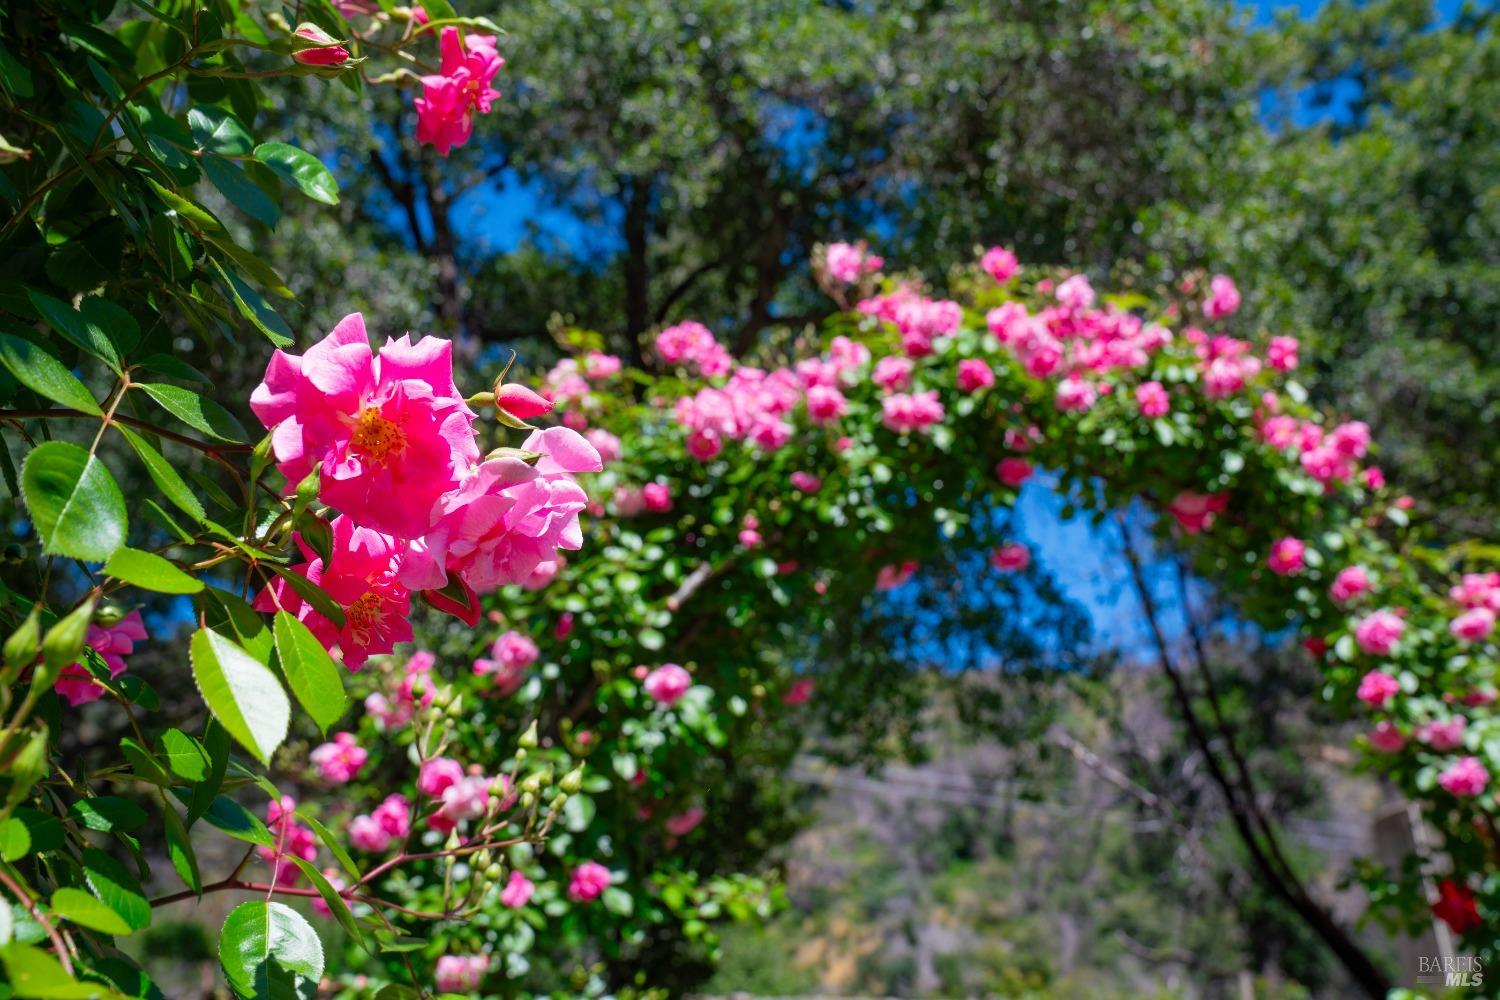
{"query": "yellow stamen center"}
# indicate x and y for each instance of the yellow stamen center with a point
(377, 438)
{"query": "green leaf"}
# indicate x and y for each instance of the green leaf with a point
(216, 743)
(228, 816)
(106, 813)
(74, 503)
(116, 888)
(300, 169)
(226, 613)
(81, 908)
(196, 411)
(150, 572)
(165, 476)
(337, 905)
(184, 756)
(32, 972)
(243, 693)
(75, 327)
(144, 763)
(14, 74)
(241, 191)
(269, 952)
(310, 671)
(45, 375)
(253, 306)
(334, 845)
(180, 850)
(218, 131)
(618, 901)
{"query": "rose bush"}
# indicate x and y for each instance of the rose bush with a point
(747, 505)
(290, 560)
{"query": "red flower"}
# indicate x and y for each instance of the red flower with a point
(1455, 906)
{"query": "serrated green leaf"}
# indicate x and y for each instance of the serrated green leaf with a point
(74, 503)
(150, 572)
(184, 756)
(106, 813)
(195, 410)
(75, 327)
(45, 375)
(83, 909)
(268, 951)
(165, 476)
(116, 888)
(300, 169)
(218, 131)
(243, 693)
(311, 672)
(180, 850)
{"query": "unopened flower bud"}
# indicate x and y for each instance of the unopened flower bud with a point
(528, 738)
(494, 873)
(572, 782)
(521, 402)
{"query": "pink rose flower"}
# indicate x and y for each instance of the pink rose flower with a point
(460, 973)
(1351, 583)
(294, 840)
(508, 517)
(1281, 353)
(1011, 557)
(892, 373)
(1376, 688)
(1386, 738)
(904, 413)
(450, 97)
(1014, 471)
(588, 883)
(362, 576)
(1000, 264)
(974, 374)
(75, 684)
(799, 692)
(1465, 777)
(389, 431)
(685, 822)
(657, 497)
(1444, 735)
(1286, 557)
(825, 404)
(438, 774)
(605, 443)
(517, 891)
(394, 816)
(1223, 299)
(598, 365)
(667, 684)
(339, 761)
(366, 834)
(1076, 395)
(1473, 625)
(805, 482)
(848, 262)
(1152, 399)
(1378, 633)
(1195, 512)
(1076, 292)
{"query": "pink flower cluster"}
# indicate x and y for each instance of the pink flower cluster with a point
(588, 882)
(906, 412)
(460, 795)
(1000, 264)
(293, 840)
(397, 710)
(461, 87)
(692, 344)
(667, 684)
(460, 973)
(848, 262)
(388, 823)
(918, 319)
(113, 643)
(1330, 457)
(396, 453)
(1074, 338)
(510, 657)
(1479, 595)
(338, 762)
